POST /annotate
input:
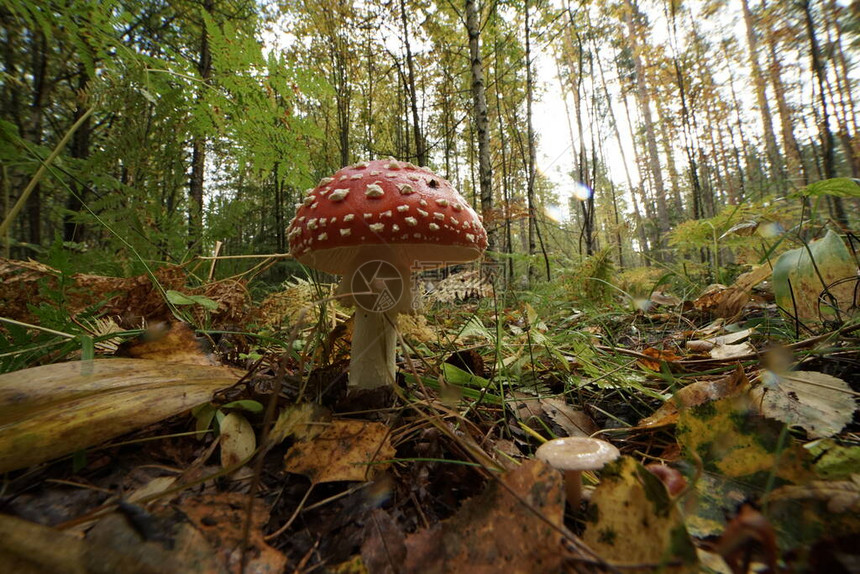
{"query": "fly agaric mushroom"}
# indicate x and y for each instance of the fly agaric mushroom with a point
(573, 455)
(374, 223)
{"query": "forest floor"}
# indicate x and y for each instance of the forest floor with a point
(235, 445)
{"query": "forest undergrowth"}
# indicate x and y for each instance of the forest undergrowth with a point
(157, 427)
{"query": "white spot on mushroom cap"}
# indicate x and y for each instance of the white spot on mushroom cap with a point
(411, 221)
(470, 237)
(349, 217)
(405, 188)
(402, 208)
(356, 176)
(422, 213)
(394, 165)
(312, 223)
(344, 231)
(442, 202)
(439, 216)
(395, 228)
(322, 236)
(368, 215)
(433, 227)
(377, 227)
(314, 205)
(385, 214)
(339, 194)
(360, 165)
(308, 200)
(374, 190)
(325, 181)
(422, 202)
(457, 206)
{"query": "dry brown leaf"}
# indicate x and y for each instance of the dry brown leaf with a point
(221, 518)
(841, 495)
(54, 410)
(174, 343)
(345, 450)
(657, 358)
(496, 532)
(694, 394)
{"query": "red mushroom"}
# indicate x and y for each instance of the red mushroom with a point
(375, 223)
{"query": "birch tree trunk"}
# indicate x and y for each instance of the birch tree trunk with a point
(481, 120)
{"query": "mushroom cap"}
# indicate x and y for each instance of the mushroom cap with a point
(412, 212)
(577, 453)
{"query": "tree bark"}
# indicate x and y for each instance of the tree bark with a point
(773, 155)
(824, 133)
(481, 121)
(644, 101)
(198, 144)
(420, 147)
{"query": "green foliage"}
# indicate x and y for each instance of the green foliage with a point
(591, 280)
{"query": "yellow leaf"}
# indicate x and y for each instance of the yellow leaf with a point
(50, 411)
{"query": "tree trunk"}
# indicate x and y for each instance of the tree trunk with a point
(481, 120)
(794, 161)
(771, 148)
(198, 144)
(80, 149)
(420, 148)
(827, 153)
(644, 101)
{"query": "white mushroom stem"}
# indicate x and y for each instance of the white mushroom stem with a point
(372, 363)
(374, 337)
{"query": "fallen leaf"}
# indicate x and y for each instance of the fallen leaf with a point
(238, 442)
(798, 284)
(735, 441)
(344, 450)
(54, 410)
(632, 521)
(174, 343)
(496, 531)
(657, 358)
(694, 394)
(221, 518)
(818, 403)
(725, 352)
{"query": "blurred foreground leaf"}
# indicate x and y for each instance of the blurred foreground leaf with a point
(50, 411)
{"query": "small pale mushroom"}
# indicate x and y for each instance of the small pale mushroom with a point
(573, 455)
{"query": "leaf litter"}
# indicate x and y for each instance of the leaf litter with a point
(437, 475)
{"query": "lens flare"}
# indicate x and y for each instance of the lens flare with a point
(581, 191)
